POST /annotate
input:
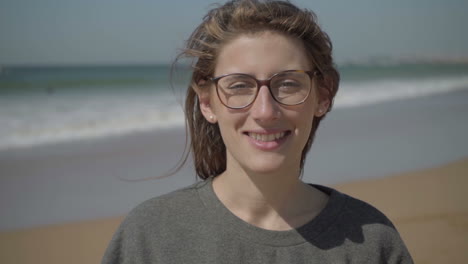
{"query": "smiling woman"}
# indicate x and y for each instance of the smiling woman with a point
(263, 79)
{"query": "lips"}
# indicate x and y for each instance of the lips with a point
(266, 137)
(267, 141)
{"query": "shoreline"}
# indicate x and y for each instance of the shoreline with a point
(429, 208)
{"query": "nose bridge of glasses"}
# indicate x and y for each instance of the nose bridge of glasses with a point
(264, 97)
(261, 83)
(267, 83)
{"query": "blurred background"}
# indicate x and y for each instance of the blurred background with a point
(86, 100)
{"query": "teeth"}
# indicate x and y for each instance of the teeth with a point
(266, 137)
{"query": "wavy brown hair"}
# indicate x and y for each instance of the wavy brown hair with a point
(221, 25)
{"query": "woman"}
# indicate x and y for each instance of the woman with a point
(263, 79)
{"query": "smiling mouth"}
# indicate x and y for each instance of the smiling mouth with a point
(267, 137)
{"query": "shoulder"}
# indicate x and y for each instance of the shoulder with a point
(174, 204)
(362, 227)
(154, 224)
(353, 209)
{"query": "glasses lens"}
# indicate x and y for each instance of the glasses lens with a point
(290, 88)
(237, 90)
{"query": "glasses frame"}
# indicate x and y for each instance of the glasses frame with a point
(261, 83)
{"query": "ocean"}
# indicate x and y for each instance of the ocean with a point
(40, 105)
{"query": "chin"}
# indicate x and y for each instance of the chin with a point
(268, 166)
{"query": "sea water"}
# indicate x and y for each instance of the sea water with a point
(40, 105)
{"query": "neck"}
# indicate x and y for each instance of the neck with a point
(247, 189)
(272, 200)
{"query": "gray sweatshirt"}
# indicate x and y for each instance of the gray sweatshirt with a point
(191, 225)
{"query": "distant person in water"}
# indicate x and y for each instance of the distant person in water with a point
(263, 79)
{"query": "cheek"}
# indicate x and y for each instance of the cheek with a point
(305, 118)
(306, 123)
(229, 134)
(310, 105)
(228, 123)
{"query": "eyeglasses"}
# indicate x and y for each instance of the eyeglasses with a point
(239, 90)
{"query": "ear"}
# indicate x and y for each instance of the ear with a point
(204, 98)
(322, 108)
(323, 94)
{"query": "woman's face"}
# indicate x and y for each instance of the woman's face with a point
(265, 136)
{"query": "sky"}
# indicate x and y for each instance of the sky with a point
(152, 31)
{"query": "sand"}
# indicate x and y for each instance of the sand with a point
(429, 207)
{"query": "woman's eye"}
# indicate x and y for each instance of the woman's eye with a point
(240, 86)
(290, 84)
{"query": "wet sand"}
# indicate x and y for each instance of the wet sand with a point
(429, 207)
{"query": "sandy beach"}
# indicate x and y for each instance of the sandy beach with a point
(429, 207)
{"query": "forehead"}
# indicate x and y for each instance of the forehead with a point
(261, 55)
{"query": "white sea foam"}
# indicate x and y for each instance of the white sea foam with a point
(357, 94)
(47, 119)
(41, 118)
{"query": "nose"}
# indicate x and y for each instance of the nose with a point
(264, 108)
